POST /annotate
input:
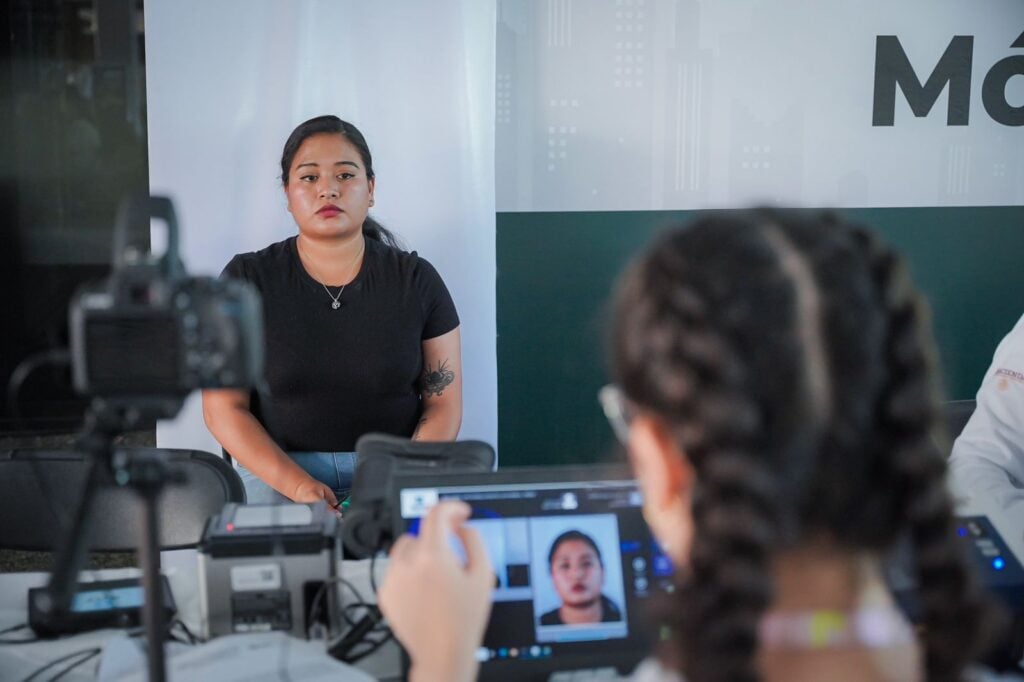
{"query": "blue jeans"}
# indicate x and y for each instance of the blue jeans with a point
(333, 469)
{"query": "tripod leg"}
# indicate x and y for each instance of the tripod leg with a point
(56, 600)
(153, 611)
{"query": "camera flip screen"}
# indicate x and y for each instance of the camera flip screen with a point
(126, 353)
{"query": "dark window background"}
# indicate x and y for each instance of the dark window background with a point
(72, 143)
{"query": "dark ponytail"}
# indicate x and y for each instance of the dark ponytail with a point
(332, 125)
(374, 230)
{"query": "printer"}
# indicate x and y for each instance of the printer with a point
(261, 568)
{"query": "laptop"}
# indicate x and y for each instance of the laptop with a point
(577, 570)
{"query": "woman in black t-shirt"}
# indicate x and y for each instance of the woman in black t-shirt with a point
(360, 335)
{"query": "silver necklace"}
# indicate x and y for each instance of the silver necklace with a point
(335, 302)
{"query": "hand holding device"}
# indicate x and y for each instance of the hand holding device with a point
(437, 605)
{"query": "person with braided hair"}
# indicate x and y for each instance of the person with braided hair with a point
(775, 387)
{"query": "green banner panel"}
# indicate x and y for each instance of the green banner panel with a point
(555, 271)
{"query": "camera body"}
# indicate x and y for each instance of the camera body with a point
(151, 332)
(165, 338)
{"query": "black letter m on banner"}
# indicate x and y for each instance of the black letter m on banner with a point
(892, 68)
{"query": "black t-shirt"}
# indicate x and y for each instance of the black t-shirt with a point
(609, 613)
(333, 375)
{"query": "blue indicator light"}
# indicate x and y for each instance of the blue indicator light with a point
(662, 566)
(998, 563)
(961, 531)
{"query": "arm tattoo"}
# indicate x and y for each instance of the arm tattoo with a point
(433, 381)
(416, 433)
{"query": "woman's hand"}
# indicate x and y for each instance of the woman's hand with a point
(437, 607)
(232, 423)
(313, 491)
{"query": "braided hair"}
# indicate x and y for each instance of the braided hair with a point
(791, 359)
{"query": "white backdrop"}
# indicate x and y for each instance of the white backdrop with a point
(228, 80)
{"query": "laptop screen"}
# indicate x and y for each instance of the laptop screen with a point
(576, 567)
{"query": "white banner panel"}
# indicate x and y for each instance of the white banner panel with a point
(681, 104)
(227, 81)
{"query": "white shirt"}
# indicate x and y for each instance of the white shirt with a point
(986, 469)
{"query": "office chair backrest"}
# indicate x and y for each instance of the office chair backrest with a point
(40, 490)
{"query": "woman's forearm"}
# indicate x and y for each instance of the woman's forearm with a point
(245, 439)
(439, 421)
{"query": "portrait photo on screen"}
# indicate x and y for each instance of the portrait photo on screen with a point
(577, 578)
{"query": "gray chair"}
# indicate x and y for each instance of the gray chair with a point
(958, 413)
(40, 489)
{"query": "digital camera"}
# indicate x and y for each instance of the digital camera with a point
(151, 331)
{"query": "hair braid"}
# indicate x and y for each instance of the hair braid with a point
(684, 367)
(729, 585)
(908, 411)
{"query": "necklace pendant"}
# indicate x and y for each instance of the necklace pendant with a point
(336, 304)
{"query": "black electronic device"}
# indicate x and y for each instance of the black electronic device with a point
(522, 515)
(998, 570)
(149, 330)
(260, 566)
(368, 522)
(97, 605)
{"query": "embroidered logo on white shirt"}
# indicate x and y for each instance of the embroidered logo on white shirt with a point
(1006, 376)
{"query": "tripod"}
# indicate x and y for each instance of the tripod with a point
(147, 475)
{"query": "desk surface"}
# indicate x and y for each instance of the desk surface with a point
(20, 660)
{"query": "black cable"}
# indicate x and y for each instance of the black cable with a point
(185, 638)
(18, 377)
(358, 602)
(369, 609)
(358, 656)
(314, 606)
(360, 632)
(9, 642)
(26, 367)
(92, 652)
(74, 665)
(356, 635)
(15, 628)
(192, 639)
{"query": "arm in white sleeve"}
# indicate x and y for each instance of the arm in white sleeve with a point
(986, 468)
